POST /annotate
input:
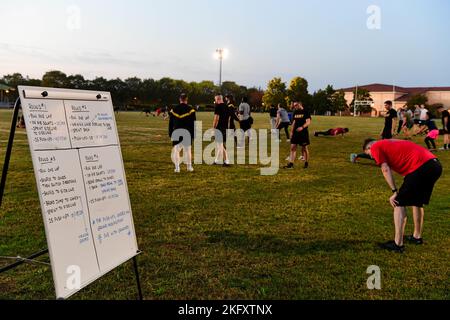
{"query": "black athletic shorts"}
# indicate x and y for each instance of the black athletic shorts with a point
(283, 125)
(418, 186)
(387, 134)
(221, 135)
(301, 138)
(187, 143)
(245, 125)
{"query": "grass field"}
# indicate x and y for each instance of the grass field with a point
(233, 234)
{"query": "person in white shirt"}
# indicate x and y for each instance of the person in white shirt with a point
(423, 114)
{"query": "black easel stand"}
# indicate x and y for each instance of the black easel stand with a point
(9, 147)
(138, 281)
(20, 261)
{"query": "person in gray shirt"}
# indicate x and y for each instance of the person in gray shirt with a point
(245, 117)
(283, 121)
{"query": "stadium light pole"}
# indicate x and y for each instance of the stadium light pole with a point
(221, 54)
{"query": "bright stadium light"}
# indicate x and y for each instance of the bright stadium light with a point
(221, 54)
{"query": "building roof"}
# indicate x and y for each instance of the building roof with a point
(408, 93)
(378, 87)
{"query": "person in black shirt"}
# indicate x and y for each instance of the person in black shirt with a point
(300, 134)
(233, 112)
(221, 125)
(446, 126)
(273, 117)
(390, 122)
(181, 131)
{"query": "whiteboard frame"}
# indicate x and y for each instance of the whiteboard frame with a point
(35, 93)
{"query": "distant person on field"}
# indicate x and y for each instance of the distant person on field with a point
(300, 134)
(233, 111)
(422, 119)
(157, 112)
(273, 117)
(332, 132)
(446, 127)
(401, 120)
(283, 122)
(21, 122)
(417, 114)
(433, 132)
(221, 124)
(390, 122)
(181, 131)
(245, 118)
(408, 123)
(421, 170)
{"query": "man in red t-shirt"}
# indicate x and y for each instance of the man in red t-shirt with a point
(332, 132)
(421, 170)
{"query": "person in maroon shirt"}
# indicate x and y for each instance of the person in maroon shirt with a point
(332, 132)
(421, 170)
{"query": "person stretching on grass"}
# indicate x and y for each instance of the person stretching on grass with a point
(300, 134)
(181, 131)
(433, 132)
(421, 170)
(332, 132)
(283, 122)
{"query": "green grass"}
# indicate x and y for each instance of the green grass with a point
(233, 234)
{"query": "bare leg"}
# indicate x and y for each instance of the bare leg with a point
(305, 152)
(293, 152)
(400, 220)
(225, 155)
(187, 152)
(419, 217)
(219, 153)
(176, 156)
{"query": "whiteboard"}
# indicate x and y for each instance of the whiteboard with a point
(81, 182)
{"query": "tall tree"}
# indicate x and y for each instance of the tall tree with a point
(298, 91)
(255, 98)
(338, 102)
(321, 103)
(55, 79)
(77, 82)
(275, 93)
(363, 95)
(417, 100)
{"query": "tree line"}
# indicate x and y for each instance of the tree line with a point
(323, 101)
(136, 93)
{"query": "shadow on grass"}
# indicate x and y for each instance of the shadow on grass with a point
(275, 245)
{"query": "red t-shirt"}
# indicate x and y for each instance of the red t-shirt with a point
(404, 157)
(337, 131)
